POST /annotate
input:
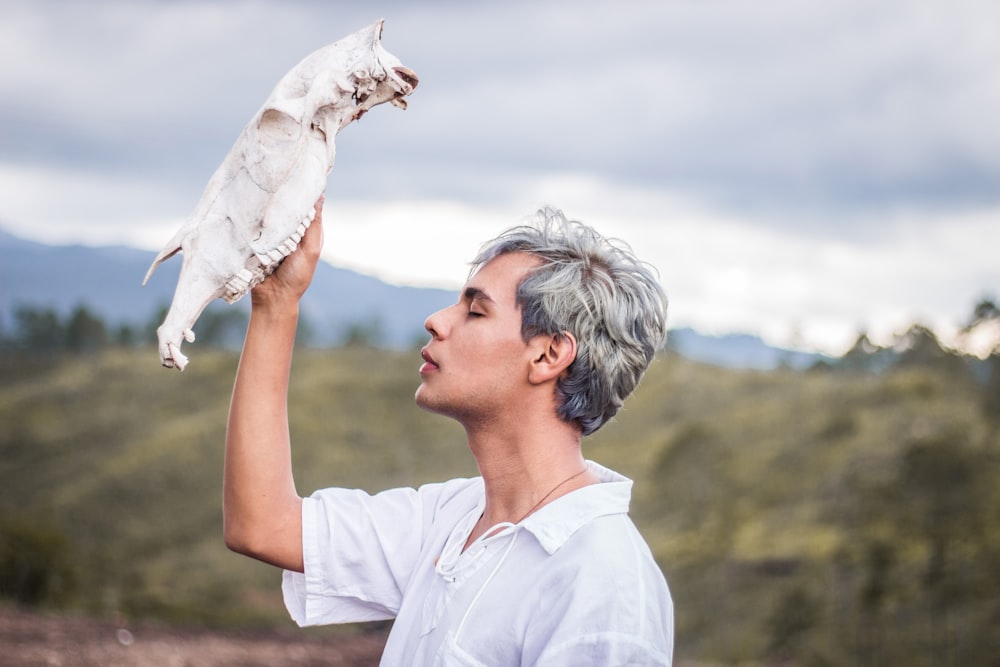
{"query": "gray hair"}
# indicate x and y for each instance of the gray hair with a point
(595, 289)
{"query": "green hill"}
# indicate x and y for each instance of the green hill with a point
(825, 517)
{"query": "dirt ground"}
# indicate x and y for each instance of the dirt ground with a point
(35, 640)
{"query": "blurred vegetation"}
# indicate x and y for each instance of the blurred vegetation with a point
(41, 332)
(838, 516)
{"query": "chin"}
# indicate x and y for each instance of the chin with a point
(431, 403)
(423, 400)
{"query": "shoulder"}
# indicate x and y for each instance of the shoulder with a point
(404, 507)
(446, 501)
(436, 494)
(602, 599)
(454, 490)
(605, 578)
(609, 548)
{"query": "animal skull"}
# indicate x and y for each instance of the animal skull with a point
(260, 200)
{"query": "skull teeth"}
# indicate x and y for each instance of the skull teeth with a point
(269, 259)
(174, 357)
(239, 284)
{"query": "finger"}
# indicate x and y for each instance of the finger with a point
(318, 209)
(312, 240)
(316, 228)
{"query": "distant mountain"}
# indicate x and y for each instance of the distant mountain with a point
(738, 351)
(108, 281)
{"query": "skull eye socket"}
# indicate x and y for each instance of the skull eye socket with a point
(277, 127)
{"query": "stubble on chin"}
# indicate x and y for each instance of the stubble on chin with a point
(425, 399)
(418, 397)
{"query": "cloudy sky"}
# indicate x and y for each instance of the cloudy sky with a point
(799, 170)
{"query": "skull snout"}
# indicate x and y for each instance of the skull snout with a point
(407, 75)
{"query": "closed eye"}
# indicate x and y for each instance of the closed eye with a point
(476, 298)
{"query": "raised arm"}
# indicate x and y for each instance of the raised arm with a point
(262, 509)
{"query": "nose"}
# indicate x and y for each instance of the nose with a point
(434, 323)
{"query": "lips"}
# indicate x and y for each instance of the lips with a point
(429, 363)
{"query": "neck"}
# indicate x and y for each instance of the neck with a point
(522, 474)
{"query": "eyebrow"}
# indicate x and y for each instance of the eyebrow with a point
(476, 294)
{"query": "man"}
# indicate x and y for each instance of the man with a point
(534, 562)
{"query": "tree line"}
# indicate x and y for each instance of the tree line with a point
(40, 331)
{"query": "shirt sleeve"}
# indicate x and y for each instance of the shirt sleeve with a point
(358, 551)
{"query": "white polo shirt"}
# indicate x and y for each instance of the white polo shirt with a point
(573, 584)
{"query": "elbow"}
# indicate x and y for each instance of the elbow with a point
(276, 542)
(246, 544)
(236, 540)
(240, 528)
(243, 537)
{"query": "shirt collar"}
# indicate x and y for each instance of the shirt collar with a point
(556, 522)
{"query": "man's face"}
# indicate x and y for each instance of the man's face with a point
(476, 363)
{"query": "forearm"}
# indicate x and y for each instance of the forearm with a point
(262, 510)
(261, 506)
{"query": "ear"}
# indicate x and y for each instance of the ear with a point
(553, 355)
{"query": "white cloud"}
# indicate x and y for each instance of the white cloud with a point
(409, 242)
(59, 205)
(798, 170)
(721, 273)
(775, 106)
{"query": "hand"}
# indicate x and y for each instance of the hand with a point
(291, 279)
